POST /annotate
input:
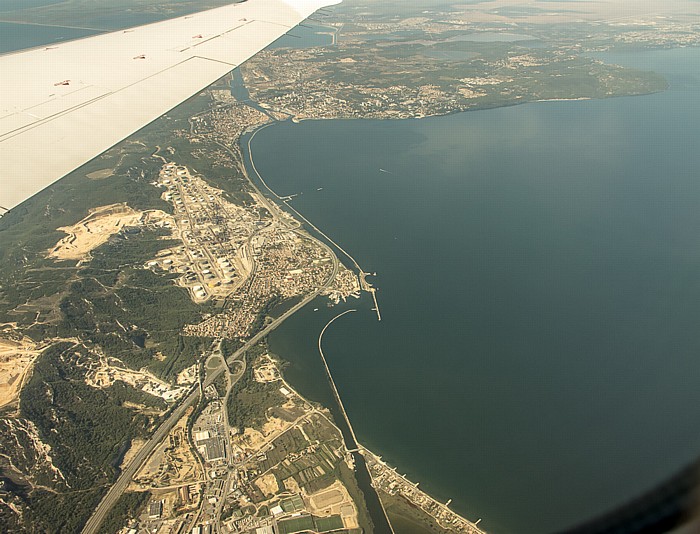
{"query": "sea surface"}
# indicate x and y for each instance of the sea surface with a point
(538, 357)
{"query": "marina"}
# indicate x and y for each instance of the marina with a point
(466, 352)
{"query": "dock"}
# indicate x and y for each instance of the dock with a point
(376, 304)
(366, 286)
(353, 447)
(330, 378)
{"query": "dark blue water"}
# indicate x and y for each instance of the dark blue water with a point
(538, 360)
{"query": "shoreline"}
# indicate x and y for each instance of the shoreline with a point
(244, 143)
(381, 523)
(297, 120)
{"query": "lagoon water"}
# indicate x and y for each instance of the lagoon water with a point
(538, 358)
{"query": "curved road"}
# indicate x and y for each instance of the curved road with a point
(93, 524)
(375, 506)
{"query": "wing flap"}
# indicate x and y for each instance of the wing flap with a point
(96, 124)
(14, 122)
(63, 105)
(227, 48)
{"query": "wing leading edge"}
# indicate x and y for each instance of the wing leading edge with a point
(61, 106)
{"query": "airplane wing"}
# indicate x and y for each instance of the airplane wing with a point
(62, 105)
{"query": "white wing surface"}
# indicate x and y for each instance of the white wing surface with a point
(62, 105)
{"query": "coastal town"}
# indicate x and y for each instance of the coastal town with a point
(429, 75)
(245, 257)
(287, 473)
(390, 483)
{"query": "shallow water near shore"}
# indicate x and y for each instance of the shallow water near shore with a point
(539, 274)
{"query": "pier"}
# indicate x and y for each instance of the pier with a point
(376, 304)
(351, 446)
(361, 469)
(389, 480)
(362, 275)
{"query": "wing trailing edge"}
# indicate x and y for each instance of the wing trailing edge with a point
(63, 105)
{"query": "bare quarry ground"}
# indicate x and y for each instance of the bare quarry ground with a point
(172, 463)
(95, 229)
(16, 361)
(267, 484)
(252, 440)
(105, 373)
(134, 448)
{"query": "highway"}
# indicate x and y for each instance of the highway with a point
(117, 489)
(93, 524)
